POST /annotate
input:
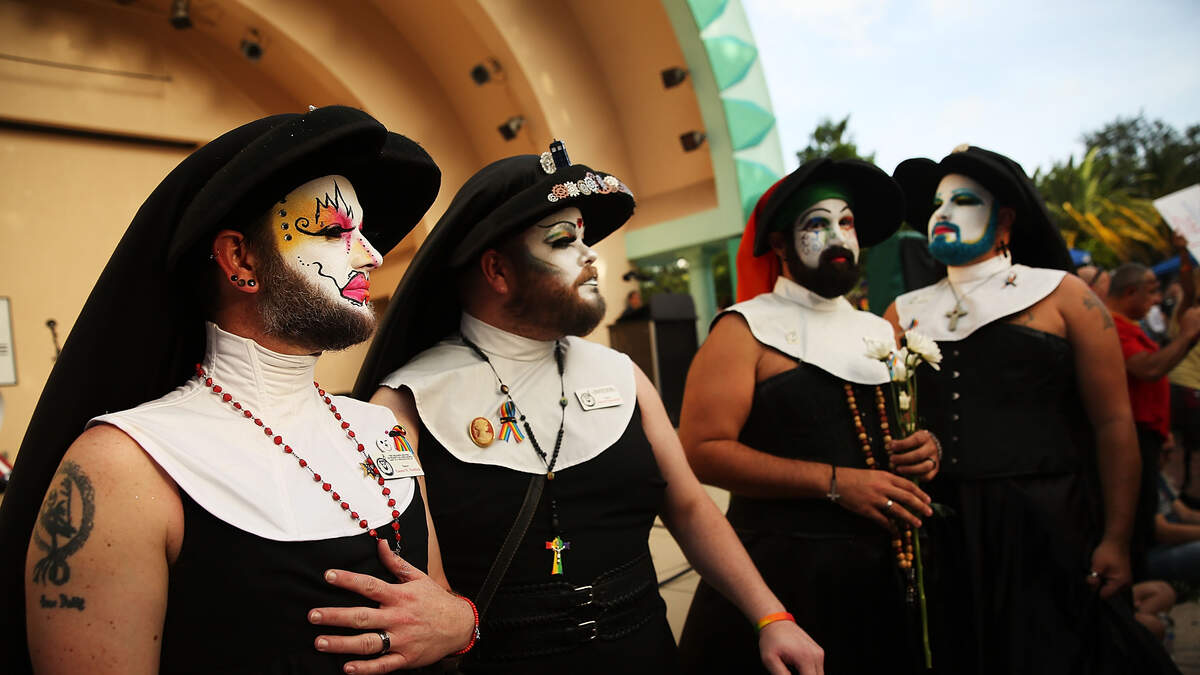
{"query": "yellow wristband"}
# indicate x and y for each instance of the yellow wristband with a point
(772, 618)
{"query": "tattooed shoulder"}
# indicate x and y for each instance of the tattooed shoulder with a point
(64, 525)
(1090, 301)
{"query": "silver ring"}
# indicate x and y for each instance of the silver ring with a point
(888, 505)
(1093, 574)
(387, 643)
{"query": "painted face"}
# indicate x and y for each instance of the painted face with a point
(827, 224)
(319, 234)
(963, 224)
(556, 241)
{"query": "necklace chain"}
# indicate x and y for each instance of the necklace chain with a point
(557, 544)
(562, 404)
(959, 298)
(277, 439)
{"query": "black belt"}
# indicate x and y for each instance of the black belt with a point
(541, 619)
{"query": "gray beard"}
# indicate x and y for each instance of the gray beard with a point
(295, 311)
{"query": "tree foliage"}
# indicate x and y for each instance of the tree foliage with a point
(1103, 204)
(830, 139)
(1147, 158)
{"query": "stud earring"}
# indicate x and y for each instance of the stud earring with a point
(251, 283)
(233, 277)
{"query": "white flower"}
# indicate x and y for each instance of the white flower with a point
(898, 366)
(878, 349)
(924, 347)
(904, 400)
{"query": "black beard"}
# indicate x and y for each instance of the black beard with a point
(541, 299)
(295, 311)
(830, 279)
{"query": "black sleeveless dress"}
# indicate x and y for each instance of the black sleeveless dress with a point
(604, 613)
(239, 603)
(833, 570)
(1019, 478)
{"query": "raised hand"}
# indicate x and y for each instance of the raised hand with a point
(417, 621)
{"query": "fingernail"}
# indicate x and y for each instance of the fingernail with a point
(322, 644)
(351, 668)
(314, 616)
(330, 575)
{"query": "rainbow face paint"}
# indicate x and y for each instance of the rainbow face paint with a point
(829, 222)
(319, 233)
(557, 242)
(963, 224)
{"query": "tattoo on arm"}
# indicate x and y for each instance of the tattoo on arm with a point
(1090, 302)
(65, 523)
(1026, 317)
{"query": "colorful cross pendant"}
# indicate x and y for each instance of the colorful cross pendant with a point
(558, 546)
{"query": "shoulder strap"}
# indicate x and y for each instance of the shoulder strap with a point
(516, 533)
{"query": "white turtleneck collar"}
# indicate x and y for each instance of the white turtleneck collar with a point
(262, 379)
(825, 332)
(497, 341)
(226, 463)
(962, 276)
(452, 387)
(977, 295)
(794, 292)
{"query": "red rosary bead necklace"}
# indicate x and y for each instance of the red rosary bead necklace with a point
(226, 397)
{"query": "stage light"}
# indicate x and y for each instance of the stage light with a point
(181, 14)
(673, 77)
(484, 72)
(251, 46)
(691, 140)
(511, 126)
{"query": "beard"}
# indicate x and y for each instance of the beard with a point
(293, 309)
(830, 279)
(542, 299)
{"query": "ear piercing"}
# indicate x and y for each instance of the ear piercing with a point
(243, 282)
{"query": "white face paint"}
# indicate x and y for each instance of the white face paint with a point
(319, 232)
(557, 241)
(829, 222)
(962, 210)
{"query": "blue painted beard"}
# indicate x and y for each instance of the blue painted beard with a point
(956, 253)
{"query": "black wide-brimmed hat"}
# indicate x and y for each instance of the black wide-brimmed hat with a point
(501, 199)
(515, 192)
(1035, 242)
(875, 198)
(140, 333)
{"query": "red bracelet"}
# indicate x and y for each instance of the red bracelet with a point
(772, 618)
(475, 633)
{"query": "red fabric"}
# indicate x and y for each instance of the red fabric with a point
(1150, 399)
(756, 275)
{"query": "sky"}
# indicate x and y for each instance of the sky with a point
(1020, 77)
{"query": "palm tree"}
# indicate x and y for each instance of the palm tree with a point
(1097, 215)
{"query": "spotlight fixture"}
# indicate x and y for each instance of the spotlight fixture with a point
(482, 73)
(511, 126)
(673, 76)
(251, 46)
(181, 14)
(691, 140)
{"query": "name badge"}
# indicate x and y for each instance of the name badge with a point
(394, 459)
(595, 398)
